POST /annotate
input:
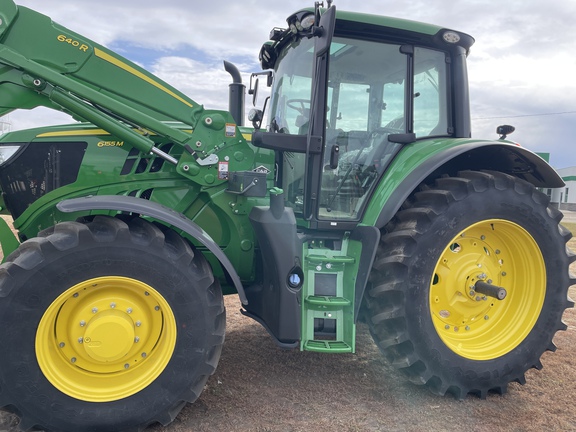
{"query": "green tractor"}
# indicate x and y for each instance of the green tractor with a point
(363, 199)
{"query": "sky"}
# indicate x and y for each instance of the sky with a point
(522, 68)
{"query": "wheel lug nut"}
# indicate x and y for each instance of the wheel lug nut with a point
(129, 310)
(486, 317)
(80, 340)
(112, 305)
(73, 359)
(467, 328)
(143, 355)
(138, 323)
(157, 308)
(136, 339)
(126, 366)
(447, 327)
(94, 310)
(82, 323)
(61, 344)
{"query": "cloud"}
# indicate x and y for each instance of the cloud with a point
(522, 63)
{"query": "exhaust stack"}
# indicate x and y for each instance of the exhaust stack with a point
(237, 94)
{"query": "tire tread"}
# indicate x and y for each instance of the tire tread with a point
(385, 300)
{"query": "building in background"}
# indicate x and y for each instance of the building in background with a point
(562, 198)
(565, 197)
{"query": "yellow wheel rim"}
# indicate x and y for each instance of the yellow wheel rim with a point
(105, 339)
(471, 324)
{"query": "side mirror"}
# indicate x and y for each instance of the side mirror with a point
(326, 30)
(254, 81)
(254, 92)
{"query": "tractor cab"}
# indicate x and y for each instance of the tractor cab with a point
(347, 95)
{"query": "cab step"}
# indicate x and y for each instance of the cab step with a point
(328, 298)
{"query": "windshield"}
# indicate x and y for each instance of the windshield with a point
(371, 95)
(290, 111)
(290, 100)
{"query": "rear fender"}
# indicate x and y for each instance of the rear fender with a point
(159, 213)
(404, 176)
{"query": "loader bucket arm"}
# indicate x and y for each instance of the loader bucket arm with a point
(45, 64)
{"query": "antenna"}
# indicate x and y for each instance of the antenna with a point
(329, 3)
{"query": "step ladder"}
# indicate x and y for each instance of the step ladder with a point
(328, 299)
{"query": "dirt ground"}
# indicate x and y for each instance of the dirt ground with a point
(261, 388)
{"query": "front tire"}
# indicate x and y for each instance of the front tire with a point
(424, 311)
(111, 326)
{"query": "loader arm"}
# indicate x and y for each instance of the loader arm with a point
(59, 69)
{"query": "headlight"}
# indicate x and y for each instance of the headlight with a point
(451, 37)
(307, 21)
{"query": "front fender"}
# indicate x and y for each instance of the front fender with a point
(433, 158)
(157, 212)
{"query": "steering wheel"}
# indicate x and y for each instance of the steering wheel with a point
(302, 106)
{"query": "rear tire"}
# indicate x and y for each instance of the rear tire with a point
(423, 310)
(112, 326)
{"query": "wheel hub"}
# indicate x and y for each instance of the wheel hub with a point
(109, 336)
(493, 254)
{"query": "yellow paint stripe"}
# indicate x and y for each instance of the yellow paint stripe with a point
(133, 71)
(86, 132)
(90, 132)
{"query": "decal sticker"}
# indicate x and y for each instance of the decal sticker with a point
(73, 42)
(261, 169)
(223, 170)
(110, 143)
(230, 130)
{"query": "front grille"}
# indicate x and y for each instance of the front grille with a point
(138, 163)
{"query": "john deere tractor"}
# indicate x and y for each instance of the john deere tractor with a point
(356, 195)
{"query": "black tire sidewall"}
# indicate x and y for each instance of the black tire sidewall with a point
(183, 288)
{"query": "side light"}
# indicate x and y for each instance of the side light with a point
(6, 152)
(255, 115)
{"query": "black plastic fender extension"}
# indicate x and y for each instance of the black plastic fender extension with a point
(160, 213)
